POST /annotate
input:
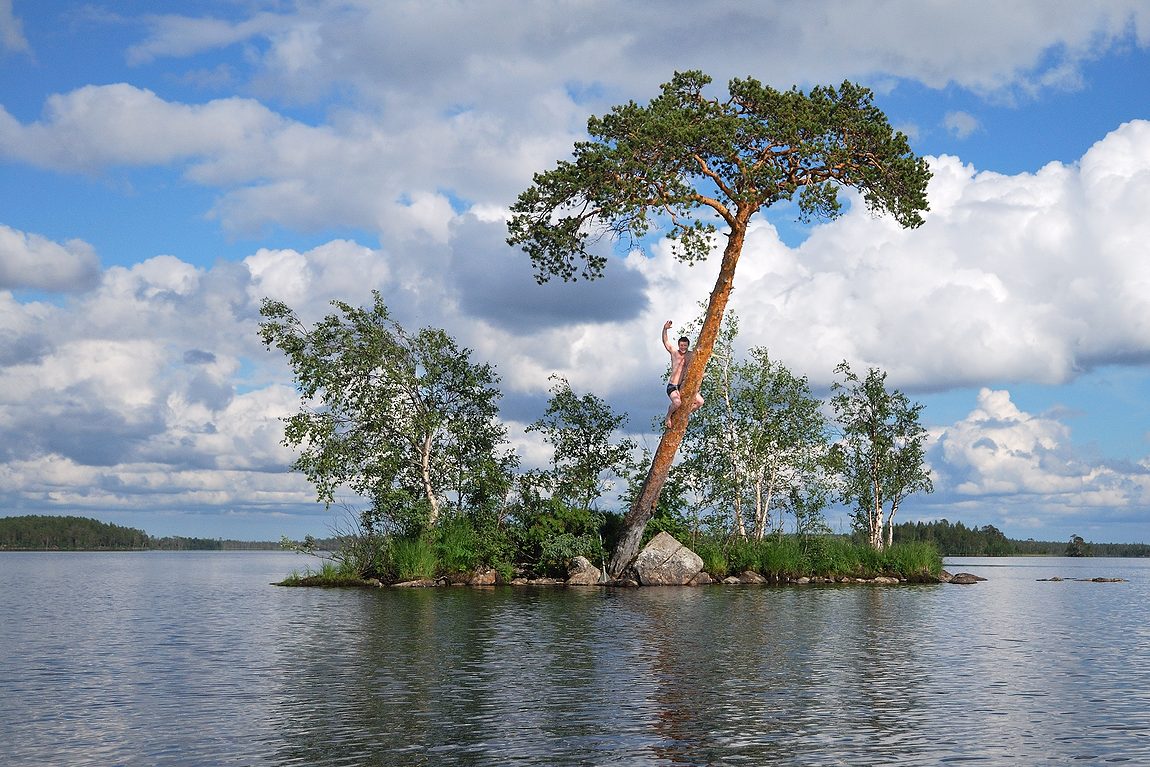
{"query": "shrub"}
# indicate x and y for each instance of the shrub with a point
(548, 533)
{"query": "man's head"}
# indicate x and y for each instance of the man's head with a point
(684, 344)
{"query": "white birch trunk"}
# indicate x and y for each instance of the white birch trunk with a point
(425, 466)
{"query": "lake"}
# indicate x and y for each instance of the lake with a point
(189, 658)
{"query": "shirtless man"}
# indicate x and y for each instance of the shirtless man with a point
(680, 359)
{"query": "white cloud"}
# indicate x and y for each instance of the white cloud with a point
(960, 124)
(148, 381)
(35, 262)
(1030, 277)
(12, 37)
(510, 48)
(1024, 471)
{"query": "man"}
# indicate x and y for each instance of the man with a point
(680, 359)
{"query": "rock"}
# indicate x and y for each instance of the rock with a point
(749, 576)
(885, 580)
(623, 582)
(802, 580)
(702, 579)
(483, 578)
(417, 584)
(666, 562)
(965, 579)
(582, 573)
(731, 580)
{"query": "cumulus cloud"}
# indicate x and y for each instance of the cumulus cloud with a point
(30, 261)
(1026, 277)
(984, 46)
(131, 395)
(1024, 471)
(146, 384)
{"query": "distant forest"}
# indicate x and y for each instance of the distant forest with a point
(953, 539)
(45, 533)
(957, 540)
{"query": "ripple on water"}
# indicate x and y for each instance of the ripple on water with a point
(170, 660)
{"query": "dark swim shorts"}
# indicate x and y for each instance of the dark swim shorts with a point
(671, 388)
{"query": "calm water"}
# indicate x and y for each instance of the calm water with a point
(194, 659)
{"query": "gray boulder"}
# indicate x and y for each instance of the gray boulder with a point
(666, 562)
(965, 579)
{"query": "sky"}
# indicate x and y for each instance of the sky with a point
(165, 165)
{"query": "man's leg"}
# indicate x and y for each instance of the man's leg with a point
(676, 400)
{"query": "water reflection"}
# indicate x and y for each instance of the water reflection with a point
(197, 661)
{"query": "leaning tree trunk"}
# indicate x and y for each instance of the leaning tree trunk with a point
(643, 507)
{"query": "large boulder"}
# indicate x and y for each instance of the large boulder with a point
(582, 573)
(666, 562)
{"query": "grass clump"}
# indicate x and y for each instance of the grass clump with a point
(331, 573)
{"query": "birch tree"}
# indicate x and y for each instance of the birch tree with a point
(881, 451)
(407, 421)
(688, 160)
(762, 452)
(583, 434)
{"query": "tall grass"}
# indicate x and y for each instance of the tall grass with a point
(413, 559)
(784, 557)
(914, 561)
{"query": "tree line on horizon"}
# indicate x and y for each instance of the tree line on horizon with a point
(69, 533)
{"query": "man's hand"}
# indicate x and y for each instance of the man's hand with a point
(668, 325)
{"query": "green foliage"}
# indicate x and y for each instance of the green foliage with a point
(914, 561)
(686, 158)
(581, 431)
(668, 521)
(34, 532)
(330, 573)
(547, 532)
(405, 420)
(759, 452)
(780, 558)
(880, 456)
(1077, 547)
(831, 555)
(457, 546)
(713, 556)
(958, 540)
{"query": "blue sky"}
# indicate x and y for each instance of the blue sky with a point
(164, 166)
